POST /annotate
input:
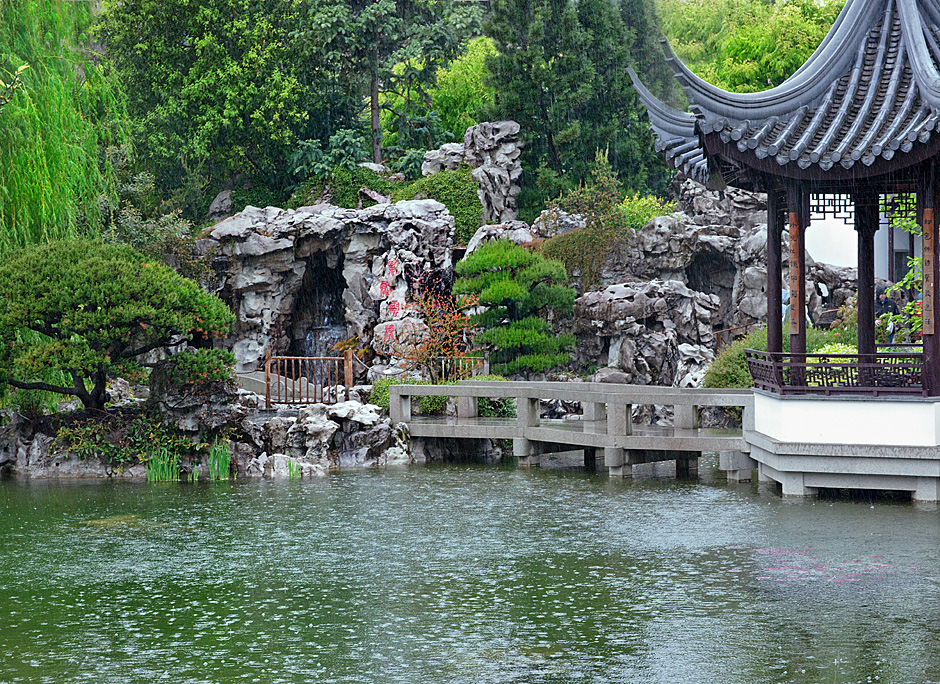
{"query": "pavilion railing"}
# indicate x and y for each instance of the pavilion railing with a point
(880, 374)
(307, 379)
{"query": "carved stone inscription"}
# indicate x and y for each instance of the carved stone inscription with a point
(796, 306)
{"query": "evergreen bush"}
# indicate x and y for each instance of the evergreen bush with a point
(520, 290)
(91, 310)
(455, 189)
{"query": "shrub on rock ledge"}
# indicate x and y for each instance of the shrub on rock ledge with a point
(86, 311)
(521, 291)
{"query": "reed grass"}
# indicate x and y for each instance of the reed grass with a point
(220, 461)
(163, 466)
(293, 470)
(56, 131)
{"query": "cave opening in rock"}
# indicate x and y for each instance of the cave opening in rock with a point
(713, 274)
(318, 320)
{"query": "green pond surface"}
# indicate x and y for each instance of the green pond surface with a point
(463, 574)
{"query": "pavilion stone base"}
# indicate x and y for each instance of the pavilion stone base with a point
(808, 443)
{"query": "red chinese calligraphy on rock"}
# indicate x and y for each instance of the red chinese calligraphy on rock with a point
(394, 307)
(389, 332)
(384, 288)
(393, 267)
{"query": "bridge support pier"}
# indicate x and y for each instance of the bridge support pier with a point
(737, 465)
(616, 463)
(527, 415)
(686, 465)
(590, 459)
(619, 422)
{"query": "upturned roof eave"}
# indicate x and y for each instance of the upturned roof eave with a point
(806, 87)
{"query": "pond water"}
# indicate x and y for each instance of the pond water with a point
(463, 575)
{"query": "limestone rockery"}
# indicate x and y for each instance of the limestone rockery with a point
(291, 276)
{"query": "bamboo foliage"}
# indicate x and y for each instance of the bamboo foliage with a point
(57, 127)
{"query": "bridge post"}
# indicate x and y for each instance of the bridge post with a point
(467, 407)
(593, 411)
(527, 415)
(619, 423)
(399, 407)
(686, 418)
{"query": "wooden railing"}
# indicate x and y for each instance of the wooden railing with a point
(307, 379)
(843, 374)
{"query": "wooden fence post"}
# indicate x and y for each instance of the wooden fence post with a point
(348, 368)
(267, 378)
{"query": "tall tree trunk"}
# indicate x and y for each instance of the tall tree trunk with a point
(376, 122)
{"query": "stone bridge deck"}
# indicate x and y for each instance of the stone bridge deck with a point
(606, 422)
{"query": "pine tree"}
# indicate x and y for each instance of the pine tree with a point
(521, 291)
(561, 73)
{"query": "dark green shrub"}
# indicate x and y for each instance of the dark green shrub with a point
(343, 185)
(122, 438)
(456, 190)
(495, 408)
(609, 216)
(521, 290)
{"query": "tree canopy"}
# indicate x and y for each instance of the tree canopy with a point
(747, 45)
(89, 310)
(560, 72)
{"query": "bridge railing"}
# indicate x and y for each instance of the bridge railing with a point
(307, 379)
(607, 420)
(599, 401)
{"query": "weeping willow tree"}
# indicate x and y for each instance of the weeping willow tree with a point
(58, 127)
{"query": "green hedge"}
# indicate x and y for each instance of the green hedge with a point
(456, 190)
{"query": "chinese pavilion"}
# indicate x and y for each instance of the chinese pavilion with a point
(856, 123)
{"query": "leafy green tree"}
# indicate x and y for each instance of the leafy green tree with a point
(220, 90)
(522, 291)
(462, 89)
(560, 73)
(54, 130)
(90, 310)
(747, 45)
(392, 46)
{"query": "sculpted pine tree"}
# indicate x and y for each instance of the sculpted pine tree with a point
(521, 291)
(88, 311)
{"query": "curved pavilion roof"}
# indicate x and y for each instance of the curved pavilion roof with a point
(865, 104)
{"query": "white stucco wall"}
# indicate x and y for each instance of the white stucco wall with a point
(845, 421)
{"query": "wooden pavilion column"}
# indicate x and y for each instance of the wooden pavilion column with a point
(931, 303)
(866, 224)
(774, 273)
(798, 212)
